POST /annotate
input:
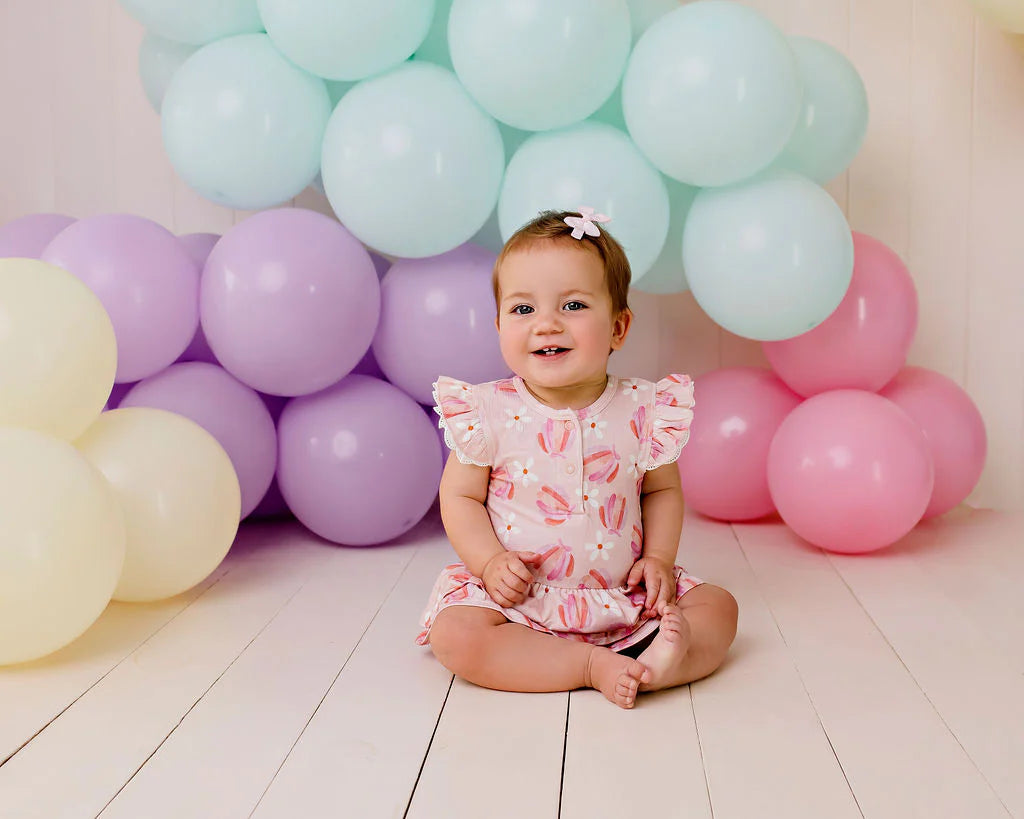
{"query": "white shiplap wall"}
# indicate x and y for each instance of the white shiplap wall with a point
(939, 179)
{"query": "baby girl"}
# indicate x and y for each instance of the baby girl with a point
(561, 495)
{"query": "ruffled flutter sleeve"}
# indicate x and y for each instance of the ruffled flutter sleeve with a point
(673, 414)
(461, 417)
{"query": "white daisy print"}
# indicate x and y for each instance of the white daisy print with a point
(634, 389)
(609, 604)
(592, 428)
(508, 528)
(517, 418)
(600, 550)
(634, 467)
(467, 428)
(523, 473)
(588, 498)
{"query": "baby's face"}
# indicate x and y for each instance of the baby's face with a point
(554, 297)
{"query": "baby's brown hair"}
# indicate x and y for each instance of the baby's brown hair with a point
(550, 225)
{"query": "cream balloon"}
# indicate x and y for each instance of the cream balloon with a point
(1007, 14)
(58, 352)
(62, 544)
(179, 494)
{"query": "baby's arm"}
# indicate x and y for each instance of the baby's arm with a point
(661, 509)
(463, 493)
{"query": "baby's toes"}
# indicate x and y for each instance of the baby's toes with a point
(625, 691)
(638, 671)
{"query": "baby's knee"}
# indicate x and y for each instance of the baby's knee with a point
(458, 638)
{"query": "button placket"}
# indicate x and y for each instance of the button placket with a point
(572, 468)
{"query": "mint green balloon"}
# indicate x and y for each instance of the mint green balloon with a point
(769, 258)
(242, 125)
(434, 48)
(159, 58)
(667, 274)
(411, 165)
(196, 21)
(539, 64)
(347, 39)
(593, 165)
(712, 93)
(834, 118)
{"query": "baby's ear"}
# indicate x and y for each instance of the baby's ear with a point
(620, 328)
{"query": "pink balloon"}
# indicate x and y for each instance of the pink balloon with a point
(850, 471)
(146, 281)
(359, 461)
(198, 247)
(865, 341)
(28, 236)
(723, 466)
(952, 426)
(230, 411)
(437, 316)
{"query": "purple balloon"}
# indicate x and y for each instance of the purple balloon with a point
(145, 280)
(359, 462)
(227, 409)
(368, 366)
(437, 317)
(117, 394)
(198, 246)
(289, 301)
(28, 236)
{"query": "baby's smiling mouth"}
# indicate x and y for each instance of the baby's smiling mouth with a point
(550, 351)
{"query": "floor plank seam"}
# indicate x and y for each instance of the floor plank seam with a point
(565, 745)
(796, 668)
(110, 670)
(920, 687)
(700, 750)
(426, 752)
(206, 691)
(334, 680)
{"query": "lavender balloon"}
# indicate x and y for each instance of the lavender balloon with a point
(437, 316)
(359, 462)
(272, 505)
(231, 412)
(289, 301)
(28, 236)
(199, 246)
(145, 280)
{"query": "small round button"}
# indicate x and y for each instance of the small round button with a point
(570, 469)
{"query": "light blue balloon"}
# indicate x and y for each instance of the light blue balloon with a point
(159, 58)
(834, 119)
(667, 274)
(539, 64)
(489, 235)
(712, 93)
(242, 125)
(592, 165)
(769, 258)
(642, 13)
(196, 21)
(411, 165)
(347, 39)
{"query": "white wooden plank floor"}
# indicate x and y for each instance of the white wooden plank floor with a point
(287, 685)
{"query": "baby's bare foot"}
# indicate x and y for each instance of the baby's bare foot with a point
(666, 652)
(615, 676)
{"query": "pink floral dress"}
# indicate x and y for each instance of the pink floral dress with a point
(566, 484)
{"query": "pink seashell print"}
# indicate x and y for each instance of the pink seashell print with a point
(636, 543)
(554, 505)
(557, 559)
(612, 513)
(601, 465)
(505, 385)
(556, 437)
(597, 579)
(501, 485)
(574, 613)
(453, 405)
(638, 422)
(665, 397)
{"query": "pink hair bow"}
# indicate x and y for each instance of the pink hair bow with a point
(584, 223)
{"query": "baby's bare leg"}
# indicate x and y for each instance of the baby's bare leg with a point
(695, 635)
(481, 646)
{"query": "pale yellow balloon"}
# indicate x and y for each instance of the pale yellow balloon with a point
(58, 353)
(178, 492)
(62, 544)
(1007, 14)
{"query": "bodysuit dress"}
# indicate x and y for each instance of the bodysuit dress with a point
(566, 483)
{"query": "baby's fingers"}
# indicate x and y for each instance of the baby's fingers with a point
(653, 588)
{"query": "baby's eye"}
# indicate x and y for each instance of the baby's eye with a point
(521, 309)
(575, 305)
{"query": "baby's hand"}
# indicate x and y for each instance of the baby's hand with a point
(659, 579)
(507, 576)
